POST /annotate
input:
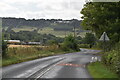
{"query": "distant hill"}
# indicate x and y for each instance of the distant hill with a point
(57, 24)
(56, 27)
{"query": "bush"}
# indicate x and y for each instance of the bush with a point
(84, 45)
(89, 39)
(107, 45)
(70, 44)
(52, 42)
(112, 59)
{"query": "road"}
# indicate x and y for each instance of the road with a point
(71, 65)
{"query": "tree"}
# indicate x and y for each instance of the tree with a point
(70, 43)
(52, 42)
(102, 17)
(105, 17)
(79, 39)
(89, 39)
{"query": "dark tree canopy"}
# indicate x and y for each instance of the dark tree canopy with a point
(30, 36)
(89, 39)
(105, 17)
(100, 17)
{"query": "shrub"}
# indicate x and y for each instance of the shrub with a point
(84, 45)
(104, 45)
(112, 59)
(52, 42)
(70, 43)
(89, 39)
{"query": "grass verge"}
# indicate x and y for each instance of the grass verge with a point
(27, 56)
(98, 70)
(94, 48)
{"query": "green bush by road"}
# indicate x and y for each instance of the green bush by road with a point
(112, 58)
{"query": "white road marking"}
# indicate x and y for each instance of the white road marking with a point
(99, 60)
(92, 58)
(27, 72)
(96, 58)
(20, 75)
(91, 61)
(30, 72)
(43, 72)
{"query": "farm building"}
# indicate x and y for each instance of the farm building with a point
(21, 42)
(13, 41)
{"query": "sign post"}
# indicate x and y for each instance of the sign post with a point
(104, 38)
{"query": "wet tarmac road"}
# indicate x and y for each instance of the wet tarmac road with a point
(71, 65)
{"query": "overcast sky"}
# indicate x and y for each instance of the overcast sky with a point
(47, 9)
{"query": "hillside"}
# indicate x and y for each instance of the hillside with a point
(40, 23)
(57, 27)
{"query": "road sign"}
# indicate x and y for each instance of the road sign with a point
(104, 37)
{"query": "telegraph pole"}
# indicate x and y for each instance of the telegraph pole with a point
(65, 34)
(74, 28)
(74, 31)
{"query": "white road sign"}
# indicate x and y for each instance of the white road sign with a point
(104, 37)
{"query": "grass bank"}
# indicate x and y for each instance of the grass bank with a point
(22, 54)
(98, 70)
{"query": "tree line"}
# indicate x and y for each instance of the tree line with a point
(30, 36)
(105, 17)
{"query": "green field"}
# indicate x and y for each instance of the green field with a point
(24, 29)
(48, 30)
(56, 33)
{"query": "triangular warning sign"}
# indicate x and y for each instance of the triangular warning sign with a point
(104, 37)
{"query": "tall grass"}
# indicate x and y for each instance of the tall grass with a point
(20, 54)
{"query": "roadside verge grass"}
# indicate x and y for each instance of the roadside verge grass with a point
(22, 54)
(98, 70)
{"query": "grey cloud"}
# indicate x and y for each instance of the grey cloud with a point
(68, 9)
